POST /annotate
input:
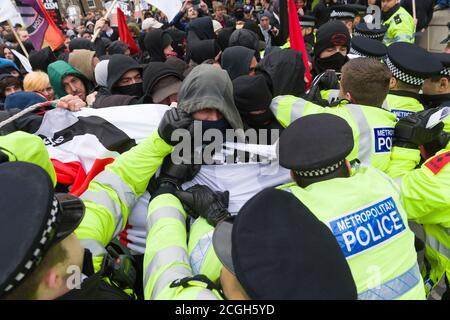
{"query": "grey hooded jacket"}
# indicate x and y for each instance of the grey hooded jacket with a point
(209, 87)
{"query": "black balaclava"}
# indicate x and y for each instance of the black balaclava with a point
(118, 65)
(156, 41)
(329, 35)
(251, 93)
(153, 73)
(203, 50)
(236, 61)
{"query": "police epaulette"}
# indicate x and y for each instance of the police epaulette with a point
(397, 19)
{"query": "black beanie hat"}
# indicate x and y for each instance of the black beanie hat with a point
(331, 34)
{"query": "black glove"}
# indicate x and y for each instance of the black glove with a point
(314, 96)
(201, 201)
(172, 120)
(411, 131)
(328, 80)
(177, 174)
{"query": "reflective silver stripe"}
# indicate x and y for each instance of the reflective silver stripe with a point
(298, 109)
(94, 246)
(200, 251)
(333, 95)
(436, 245)
(167, 277)
(125, 194)
(206, 294)
(164, 212)
(165, 257)
(395, 288)
(274, 105)
(104, 199)
(365, 136)
(385, 105)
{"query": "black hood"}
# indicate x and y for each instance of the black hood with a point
(154, 72)
(117, 47)
(201, 29)
(179, 39)
(40, 60)
(223, 38)
(118, 65)
(245, 38)
(253, 26)
(284, 70)
(236, 61)
(203, 50)
(156, 41)
(81, 43)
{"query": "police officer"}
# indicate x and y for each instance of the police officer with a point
(436, 90)
(363, 30)
(302, 271)
(308, 24)
(400, 23)
(362, 207)
(346, 14)
(410, 66)
(426, 191)
(367, 47)
(108, 201)
(363, 88)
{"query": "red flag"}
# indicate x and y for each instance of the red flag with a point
(296, 38)
(124, 33)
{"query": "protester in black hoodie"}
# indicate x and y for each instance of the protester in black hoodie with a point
(201, 51)
(124, 83)
(284, 72)
(81, 43)
(40, 59)
(252, 97)
(238, 61)
(161, 83)
(158, 44)
(246, 38)
(331, 48)
(201, 29)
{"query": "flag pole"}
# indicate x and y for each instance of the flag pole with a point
(97, 32)
(18, 39)
(414, 11)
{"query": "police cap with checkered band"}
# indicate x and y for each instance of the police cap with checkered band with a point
(411, 64)
(366, 47)
(343, 12)
(369, 31)
(33, 219)
(444, 58)
(315, 145)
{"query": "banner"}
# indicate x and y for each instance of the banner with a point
(53, 10)
(43, 31)
(7, 11)
(169, 7)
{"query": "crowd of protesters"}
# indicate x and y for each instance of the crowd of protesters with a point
(313, 231)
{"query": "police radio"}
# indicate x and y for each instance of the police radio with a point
(120, 269)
